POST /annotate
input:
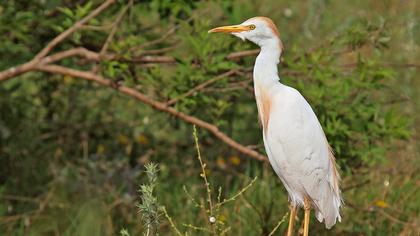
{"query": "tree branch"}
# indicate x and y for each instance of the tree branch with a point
(237, 55)
(50, 46)
(115, 27)
(18, 70)
(55, 69)
(200, 87)
(43, 62)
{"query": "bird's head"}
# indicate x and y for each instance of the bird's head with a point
(259, 30)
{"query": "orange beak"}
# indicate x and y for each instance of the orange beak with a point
(230, 29)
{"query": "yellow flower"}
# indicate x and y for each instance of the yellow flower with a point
(221, 162)
(142, 139)
(381, 204)
(123, 139)
(222, 218)
(68, 79)
(100, 149)
(234, 160)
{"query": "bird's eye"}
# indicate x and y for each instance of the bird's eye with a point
(251, 27)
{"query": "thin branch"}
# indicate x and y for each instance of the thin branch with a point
(204, 176)
(192, 199)
(396, 220)
(18, 70)
(200, 87)
(158, 51)
(94, 56)
(161, 39)
(357, 185)
(19, 198)
(152, 59)
(50, 46)
(55, 69)
(278, 225)
(96, 27)
(237, 55)
(242, 85)
(171, 222)
(197, 228)
(237, 194)
(115, 27)
(386, 64)
(80, 51)
(111, 35)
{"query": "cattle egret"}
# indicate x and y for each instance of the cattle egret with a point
(294, 141)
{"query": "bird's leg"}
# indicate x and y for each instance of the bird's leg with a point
(307, 207)
(291, 220)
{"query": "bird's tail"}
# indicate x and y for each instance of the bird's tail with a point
(328, 208)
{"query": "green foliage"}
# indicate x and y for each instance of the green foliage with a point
(71, 152)
(353, 112)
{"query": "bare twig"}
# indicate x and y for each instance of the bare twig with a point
(241, 85)
(233, 198)
(278, 225)
(192, 199)
(171, 222)
(153, 59)
(200, 87)
(50, 46)
(82, 52)
(386, 64)
(15, 71)
(19, 198)
(206, 182)
(158, 51)
(396, 220)
(96, 27)
(197, 228)
(115, 27)
(111, 35)
(237, 55)
(161, 39)
(357, 185)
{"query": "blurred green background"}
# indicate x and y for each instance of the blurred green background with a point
(72, 153)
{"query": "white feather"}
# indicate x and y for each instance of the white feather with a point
(293, 137)
(299, 153)
(294, 140)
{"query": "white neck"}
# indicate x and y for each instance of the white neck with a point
(265, 68)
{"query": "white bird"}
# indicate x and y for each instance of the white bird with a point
(294, 141)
